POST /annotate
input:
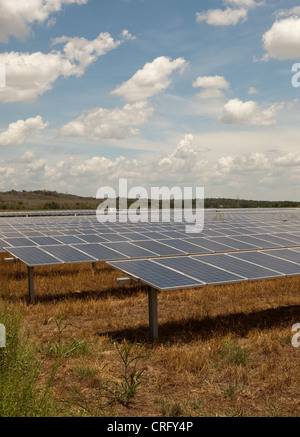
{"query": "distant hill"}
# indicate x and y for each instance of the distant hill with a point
(44, 200)
(40, 200)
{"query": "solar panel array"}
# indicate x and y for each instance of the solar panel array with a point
(47, 240)
(214, 269)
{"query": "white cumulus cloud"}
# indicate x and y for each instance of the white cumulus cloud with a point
(29, 75)
(212, 86)
(236, 111)
(282, 40)
(17, 16)
(220, 17)
(152, 79)
(18, 132)
(99, 123)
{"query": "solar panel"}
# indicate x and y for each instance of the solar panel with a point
(44, 241)
(100, 252)
(283, 242)
(236, 244)
(198, 270)
(259, 243)
(67, 254)
(159, 248)
(129, 249)
(288, 254)
(224, 231)
(212, 245)
(173, 234)
(187, 246)
(115, 237)
(154, 235)
(92, 238)
(16, 242)
(288, 236)
(237, 266)
(68, 239)
(155, 275)
(33, 256)
(270, 262)
(135, 236)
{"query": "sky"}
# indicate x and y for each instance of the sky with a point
(158, 92)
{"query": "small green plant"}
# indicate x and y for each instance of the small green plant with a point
(172, 408)
(20, 393)
(229, 391)
(130, 378)
(58, 347)
(231, 352)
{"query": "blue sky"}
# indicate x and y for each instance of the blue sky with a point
(160, 92)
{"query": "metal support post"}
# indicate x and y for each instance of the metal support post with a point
(153, 316)
(31, 284)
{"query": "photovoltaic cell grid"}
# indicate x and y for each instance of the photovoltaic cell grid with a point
(214, 269)
(82, 238)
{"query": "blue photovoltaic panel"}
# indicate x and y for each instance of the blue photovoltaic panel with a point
(283, 242)
(154, 235)
(31, 234)
(44, 241)
(52, 233)
(237, 266)
(13, 235)
(92, 238)
(270, 262)
(173, 234)
(17, 242)
(115, 237)
(129, 249)
(198, 270)
(135, 236)
(155, 275)
(256, 241)
(159, 248)
(187, 246)
(288, 254)
(239, 245)
(99, 251)
(67, 254)
(68, 239)
(33, 256)
(289, 236)
(210, 244)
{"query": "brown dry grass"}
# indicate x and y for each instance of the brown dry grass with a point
(222, 351)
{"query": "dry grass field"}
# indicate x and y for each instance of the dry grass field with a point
(222, 350)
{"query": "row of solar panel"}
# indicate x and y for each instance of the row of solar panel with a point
(117, 241)
(94, 225)
(72, 250)
(221, 244)
(213, 269)
(228, 216)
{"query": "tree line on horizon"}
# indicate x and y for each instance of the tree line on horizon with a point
(44, 200)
